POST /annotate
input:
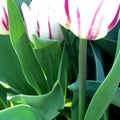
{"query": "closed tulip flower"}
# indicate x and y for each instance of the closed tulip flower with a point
(40, 20)
(89, 19)
(4, 27)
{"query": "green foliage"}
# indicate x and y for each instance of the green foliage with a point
(108, 87)
(32, 80)
(107, 45)
(39, 80)
(48, 104)
(50, 54)
(98, 62)
(19, 112)
(20, 42)
(10, 69)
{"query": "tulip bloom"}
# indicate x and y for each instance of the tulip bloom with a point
(89, 19)
(40, 20)
(4, 27)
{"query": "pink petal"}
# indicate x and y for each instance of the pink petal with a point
(78, 21)
(49, 28)
(66, 6)
(38, 29)
(5, 21)
(92, 36)
(115, 20)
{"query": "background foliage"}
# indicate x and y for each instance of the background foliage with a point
(39, 81)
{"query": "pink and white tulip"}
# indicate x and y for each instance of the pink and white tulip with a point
(40, 20)
(89, 19)
(4, 26)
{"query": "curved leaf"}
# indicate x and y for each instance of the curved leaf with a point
(21, 112)
(49, 104)
(43, 43)
(21, 45)
(10, 69)
(107, 45)
(47, 57)
(105, 93)
(98, 62)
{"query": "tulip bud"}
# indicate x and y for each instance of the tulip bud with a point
(4, 27)
(89, 19)
(40, 20)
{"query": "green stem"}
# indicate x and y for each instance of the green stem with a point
(82, 79)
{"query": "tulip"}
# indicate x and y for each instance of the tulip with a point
(89, 19)
(4, 27)
(40, 20)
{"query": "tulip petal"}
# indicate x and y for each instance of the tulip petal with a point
(38, 29)
(49, 28)
(89, 19)
(93, 32)
(4, 27)
(29, 20)
(5, 21)
(115, 20)
(43, 22)
(66, 7)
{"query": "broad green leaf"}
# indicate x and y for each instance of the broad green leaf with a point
(10, 69)
(68, 44)
(21, 112)
(62, 71)
(91, 87)
(48, 58)
(98, 62)
(105, 93)
(49, 103)
(107, 45)
(43, 43)
(21, 45)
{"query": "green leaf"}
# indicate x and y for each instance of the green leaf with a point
(91, 87)
(98, 62)
(21, 112)
(108, 46)
(21, 45)
(100, 101)
(49, 103)
(74, 108)
(118, 45)
(48, 58)
(62, 71)
(43, 43)
(68, 36)
(10, 69)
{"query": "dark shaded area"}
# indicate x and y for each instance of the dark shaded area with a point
(114, 113)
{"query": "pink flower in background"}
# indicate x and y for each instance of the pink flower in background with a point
(4, 27)
(89, 19)
(40, 20)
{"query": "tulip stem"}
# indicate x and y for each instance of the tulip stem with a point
(82, 79)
